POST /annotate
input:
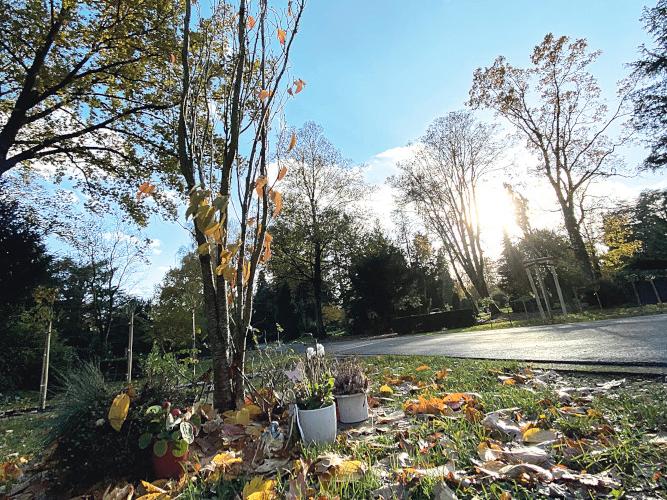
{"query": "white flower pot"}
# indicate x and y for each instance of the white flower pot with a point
(317, 426)
(352, 408)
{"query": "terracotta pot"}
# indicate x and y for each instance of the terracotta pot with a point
(169, 466)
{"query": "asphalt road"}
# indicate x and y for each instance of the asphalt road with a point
(633, 341)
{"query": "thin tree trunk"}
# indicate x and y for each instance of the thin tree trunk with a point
(317, 290)
(194, 343)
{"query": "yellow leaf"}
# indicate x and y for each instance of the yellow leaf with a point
(292, 143)
(259, 489)
(422, 368)
(246, 271)
(277, 199)
(151, 488)
(155, 496)
(509, 381)
(441, 374)
(349, 470)
(251, 22)
(225, 459)
(385, 390)
(118, 411)
(282, 173)
(259, 185)
(280, 33)
(536, 435)
(253, 409)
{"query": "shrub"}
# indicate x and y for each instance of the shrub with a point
(349, 378)
(87, 449)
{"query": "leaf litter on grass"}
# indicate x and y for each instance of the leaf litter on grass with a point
(425, 435)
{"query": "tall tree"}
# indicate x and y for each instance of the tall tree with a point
(520, 203)
(317, 230)
(556, 105)
(442, 179)
(232, 83)
(177, 307)
(82, 86)
(650, 99)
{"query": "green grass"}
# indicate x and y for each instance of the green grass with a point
(589, 315)
(635, 411)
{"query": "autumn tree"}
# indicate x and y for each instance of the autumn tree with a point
(318, 228)
(233, 81)
(650, 98)
(83, 88)
(556, 105)
(441, 181)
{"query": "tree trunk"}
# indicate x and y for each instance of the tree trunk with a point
(317, 290)
(577, 241)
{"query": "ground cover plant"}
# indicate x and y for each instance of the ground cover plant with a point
(438, 427)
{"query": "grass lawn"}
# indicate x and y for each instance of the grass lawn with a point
(615, 433)
(589, 315)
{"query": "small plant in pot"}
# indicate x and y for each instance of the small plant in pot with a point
(350, 386)
(316, 410)
(170, 431)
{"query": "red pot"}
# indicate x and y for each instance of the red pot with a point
(169, 466)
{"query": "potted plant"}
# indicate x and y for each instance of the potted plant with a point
(171, 432)
(316, 410)
(350, 386)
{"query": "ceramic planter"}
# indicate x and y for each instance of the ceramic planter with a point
(168, 466)
(352, 408)
(317, 426)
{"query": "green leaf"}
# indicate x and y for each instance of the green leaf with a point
(160, 448)
(202, 249)
(152, 410)
(179, 448)
(145, 439)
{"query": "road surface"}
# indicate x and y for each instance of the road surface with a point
(634, 341)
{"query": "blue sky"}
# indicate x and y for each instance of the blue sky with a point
(379, 71)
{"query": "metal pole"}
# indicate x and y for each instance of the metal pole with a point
(45, 369)
(537, 297)
(655, 291)
(558, 290)
(129, 348)
(544, 292)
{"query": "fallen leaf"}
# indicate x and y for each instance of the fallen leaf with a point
(385, 390)
(119, 493)
(259, 489)
(422, 368)
(536, 435)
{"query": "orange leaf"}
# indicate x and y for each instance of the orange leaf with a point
(300, 84)
(292, 142)
(172, 58)
(441, 374)
(246, 271)
(422, 368)
(251, 22)
(277, 199)
(145, 189)
(282, 173)
(263, 94)
(267, 247)
(259, 185)
(281, 36)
